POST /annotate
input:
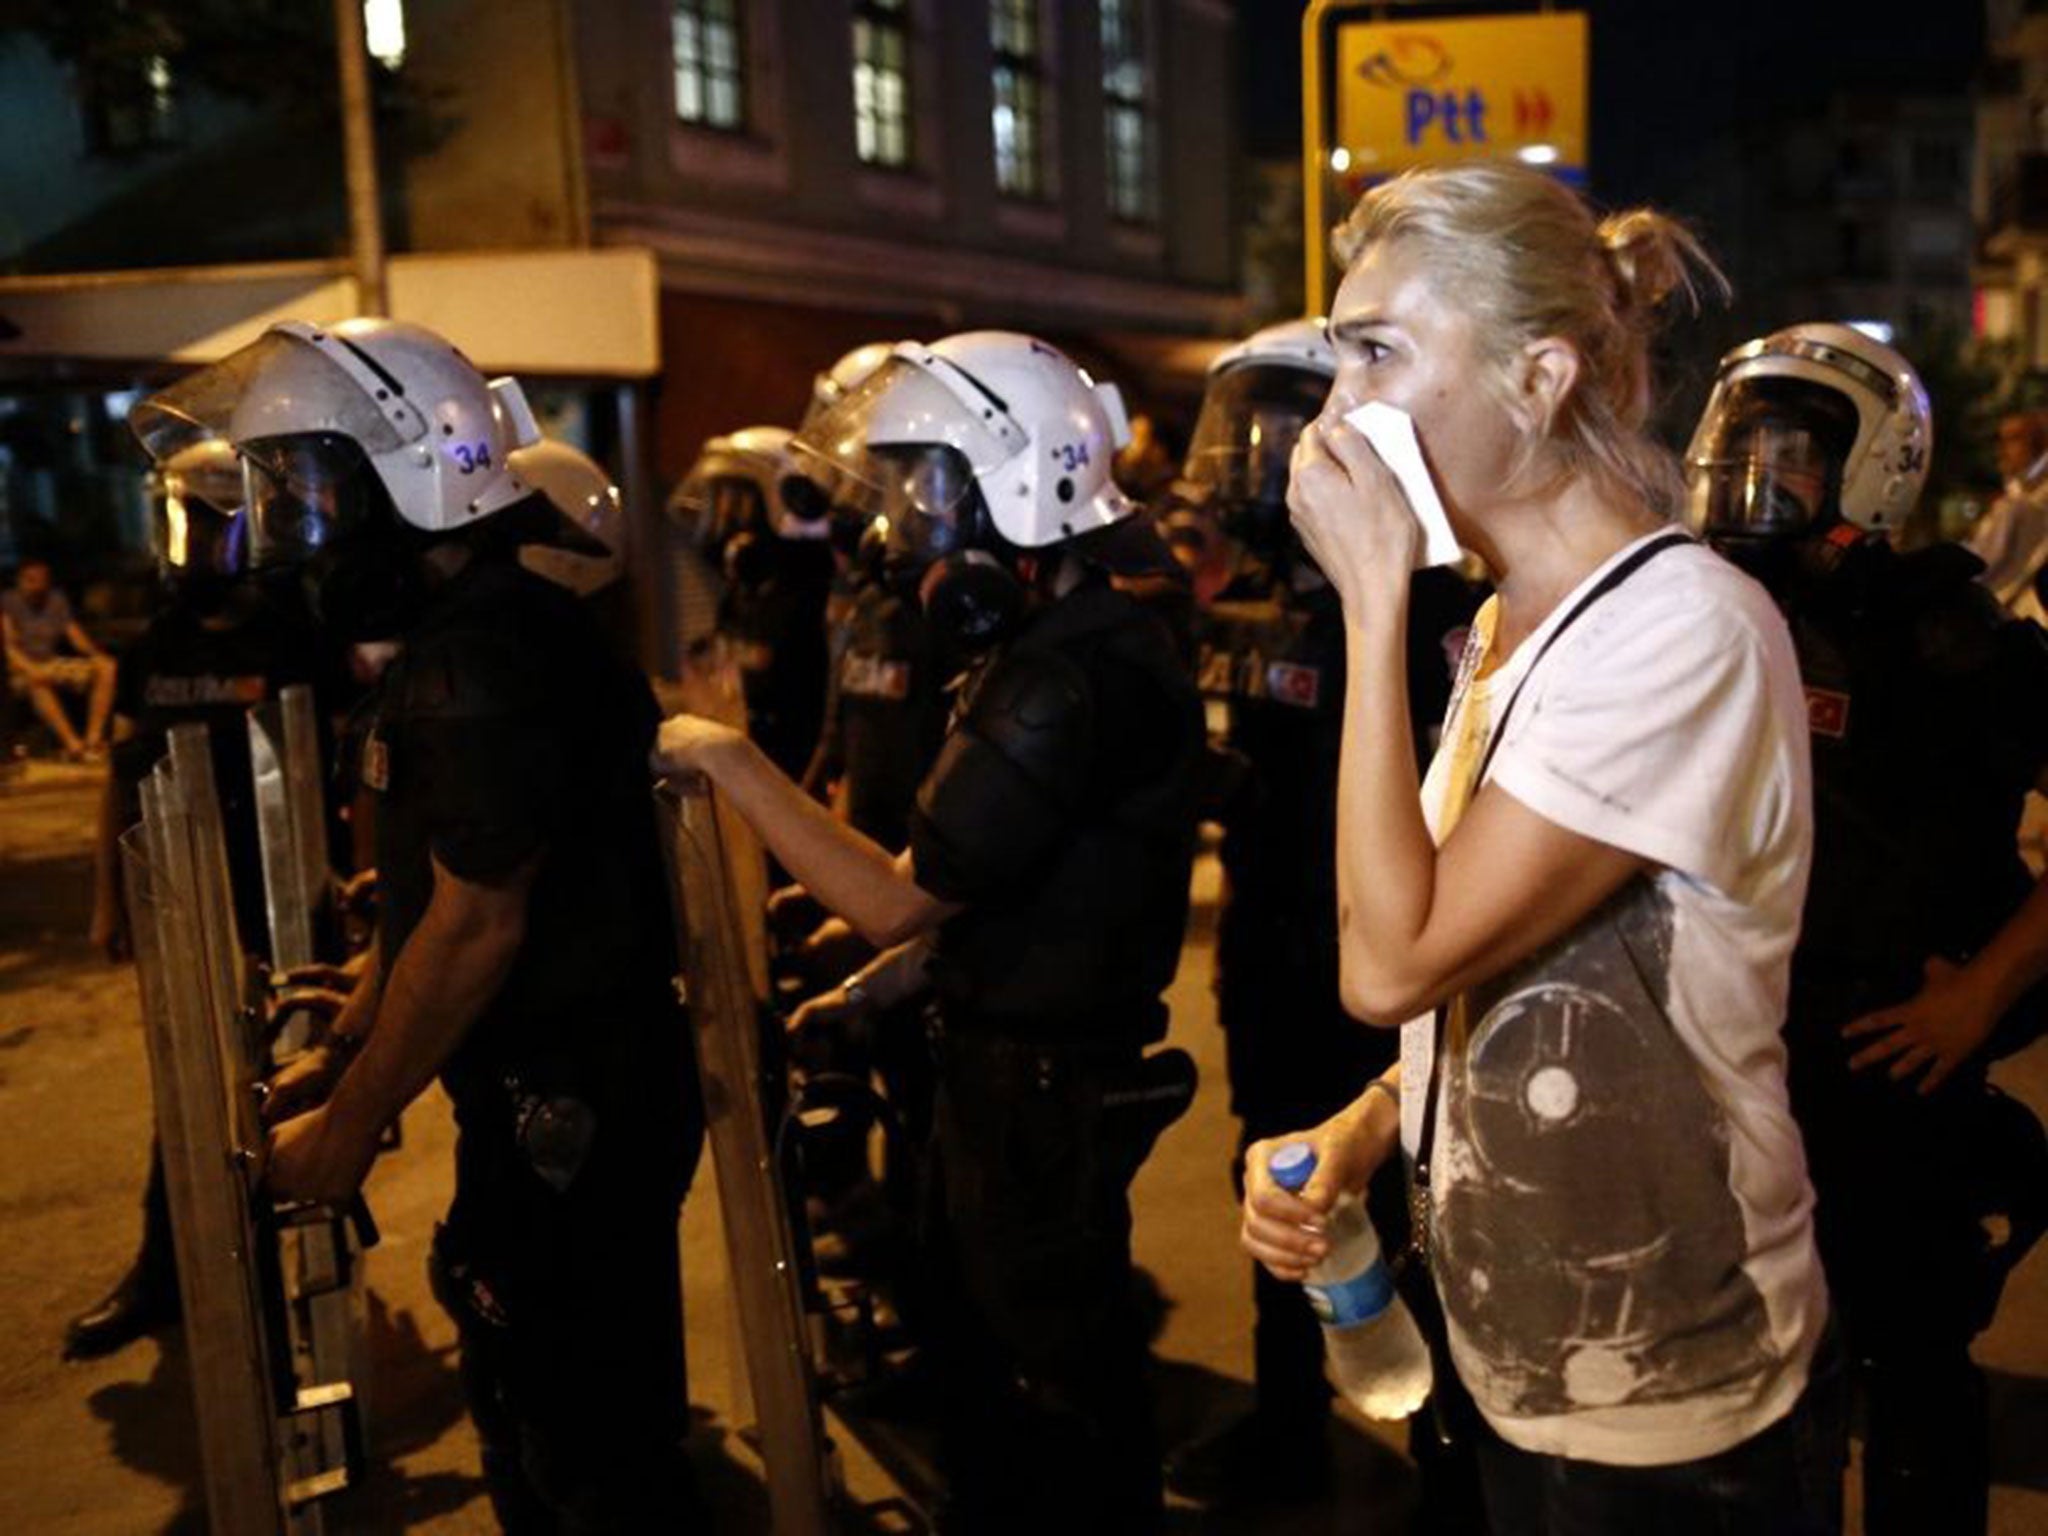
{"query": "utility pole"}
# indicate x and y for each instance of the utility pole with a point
(359, 158)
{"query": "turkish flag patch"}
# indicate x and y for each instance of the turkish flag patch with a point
(1288, 682)
(1827, 712)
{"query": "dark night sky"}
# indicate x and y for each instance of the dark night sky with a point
(1669, 74)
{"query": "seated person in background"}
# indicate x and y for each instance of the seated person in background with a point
(39, 623)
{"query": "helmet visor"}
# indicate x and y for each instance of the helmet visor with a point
(864, 446)
(916, 481)
(304, 492)
(712, 508)
(1244, 439)
(1769, 464)
(192, 537)
(278, 383)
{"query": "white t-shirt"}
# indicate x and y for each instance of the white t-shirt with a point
(1622, 1231)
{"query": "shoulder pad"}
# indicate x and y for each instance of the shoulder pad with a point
(1955, 621)
(472, 674)
(1035, 708)
(1939, 565)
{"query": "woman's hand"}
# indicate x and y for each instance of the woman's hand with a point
(1350, 511)
(1284, 1231)
(692, 744)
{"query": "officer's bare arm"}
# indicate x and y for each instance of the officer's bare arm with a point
(452, 965)
(850, 874)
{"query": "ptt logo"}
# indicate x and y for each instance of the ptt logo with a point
(1411, 59)
(1416, 64)
(1420, 69)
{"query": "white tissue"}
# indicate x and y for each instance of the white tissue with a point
(1392, 435)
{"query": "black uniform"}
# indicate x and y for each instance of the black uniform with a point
(1275, 654)
(1929, 713)
(885, 716)
(1061, 813)
(774, 614)
(507, 731)
(185, 669)
(886, 711)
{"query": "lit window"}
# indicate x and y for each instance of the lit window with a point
(881, 81)
(705, 40)
(1127, 107)
(384, 31)
(1019, 97)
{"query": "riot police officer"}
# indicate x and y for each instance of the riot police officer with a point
(523, 955)
(764, 526)
(1929, 716)
(1271, 648)
(217, 645)
(1042, 898)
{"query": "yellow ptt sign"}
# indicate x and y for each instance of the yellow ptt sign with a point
(1433, 92)
(1379, 97)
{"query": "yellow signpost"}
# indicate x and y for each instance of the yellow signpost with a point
(1431, 92)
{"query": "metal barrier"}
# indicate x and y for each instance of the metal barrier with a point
(272, 1405)
(717, 983)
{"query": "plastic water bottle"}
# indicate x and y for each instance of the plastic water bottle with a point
(1376, 1355)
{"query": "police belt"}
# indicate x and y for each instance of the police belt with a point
(1099, 1042)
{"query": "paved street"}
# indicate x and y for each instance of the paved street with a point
(107, 1448)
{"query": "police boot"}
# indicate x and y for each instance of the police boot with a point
(145, 1300)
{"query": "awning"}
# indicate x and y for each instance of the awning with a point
(568, 313)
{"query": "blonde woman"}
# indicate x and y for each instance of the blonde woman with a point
(1584, 914)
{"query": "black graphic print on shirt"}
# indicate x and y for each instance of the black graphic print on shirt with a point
(1589, 1247)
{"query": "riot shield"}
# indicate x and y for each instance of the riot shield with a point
(717, 983)
(262, 1427)
(321, 1264)
(284, 755)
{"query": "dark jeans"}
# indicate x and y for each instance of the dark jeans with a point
(1785, 1480)
(1048, 1416)
(569, 1307)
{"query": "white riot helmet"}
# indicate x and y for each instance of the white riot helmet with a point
(584, 494)
(355, 440)
(845, 376)
(1260, 394)
(971, 449)
(309, 407)
(748, 480)
(1807, 420)
(1027, 427)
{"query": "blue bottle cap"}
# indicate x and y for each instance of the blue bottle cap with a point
(1293, 1166)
